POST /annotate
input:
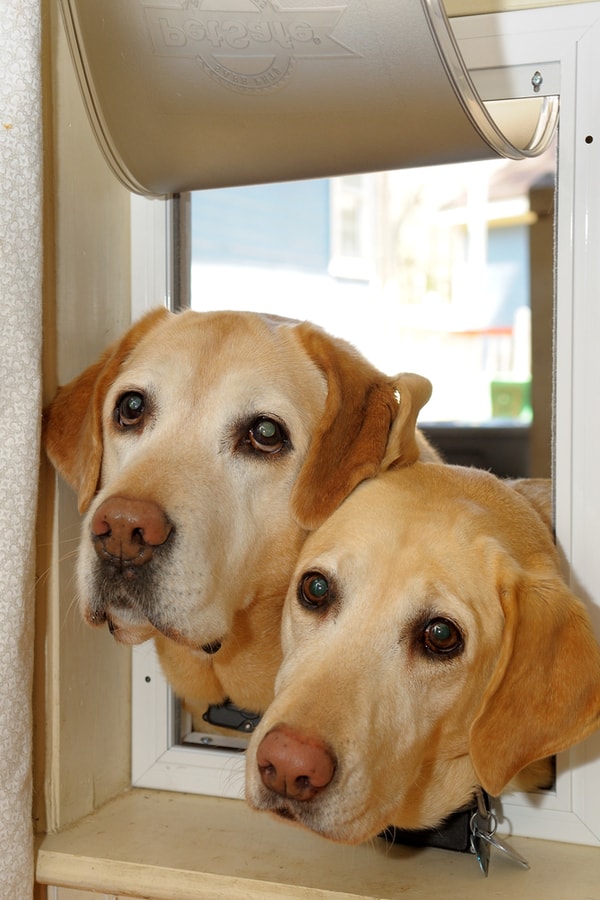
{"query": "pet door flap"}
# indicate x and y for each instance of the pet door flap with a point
(192, 94)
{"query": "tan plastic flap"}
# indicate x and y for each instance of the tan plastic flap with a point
(190, 94)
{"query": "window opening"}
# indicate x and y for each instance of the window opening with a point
(424, 270)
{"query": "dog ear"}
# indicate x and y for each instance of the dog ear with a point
(544, 695)
(72, 422)
(538, 493)
(405, 442)
(364, 411)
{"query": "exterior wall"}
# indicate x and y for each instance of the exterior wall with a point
(290, 226)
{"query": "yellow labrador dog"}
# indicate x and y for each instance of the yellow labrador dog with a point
(430, 647)
(203, 448)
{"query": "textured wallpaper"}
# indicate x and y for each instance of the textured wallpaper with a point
(20, 338)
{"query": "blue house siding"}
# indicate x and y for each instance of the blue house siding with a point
(507, 273)
(275, 225)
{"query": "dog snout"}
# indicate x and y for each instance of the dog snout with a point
(127, 531)
(293, 765)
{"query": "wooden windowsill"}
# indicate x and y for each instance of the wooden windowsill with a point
(160, 845)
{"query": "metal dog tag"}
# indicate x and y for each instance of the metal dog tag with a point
(494, 841)
(483, 836)
(481, 849)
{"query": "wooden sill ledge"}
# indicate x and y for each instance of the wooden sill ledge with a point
(165, 846)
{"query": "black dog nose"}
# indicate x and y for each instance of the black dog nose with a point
(126, 531)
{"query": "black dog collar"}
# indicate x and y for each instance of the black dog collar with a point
(228, 715)
(471, 829)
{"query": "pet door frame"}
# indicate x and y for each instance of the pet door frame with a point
(501, 51)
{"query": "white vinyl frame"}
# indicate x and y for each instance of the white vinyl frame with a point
(564, 44)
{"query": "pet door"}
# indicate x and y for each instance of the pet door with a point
(170, 85)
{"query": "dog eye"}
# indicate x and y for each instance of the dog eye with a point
(130, 409)
(314, 591)
(267, 435)
(442, 637)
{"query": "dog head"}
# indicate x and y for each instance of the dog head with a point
(202, 447)
(430, 646)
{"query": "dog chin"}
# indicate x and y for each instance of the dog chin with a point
(327, 824)
(130, 630)
(287, 813)
(126, 633)
(296, 814)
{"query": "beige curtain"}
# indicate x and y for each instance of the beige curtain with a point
(20, 317)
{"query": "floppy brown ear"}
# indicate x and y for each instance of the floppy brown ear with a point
(544, 695)
(72, 422)
(351, 439)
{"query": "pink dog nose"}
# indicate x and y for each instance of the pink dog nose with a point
(294, 765)
(127, 531)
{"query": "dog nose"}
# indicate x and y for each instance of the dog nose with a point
(294, 765)
(127, 531)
